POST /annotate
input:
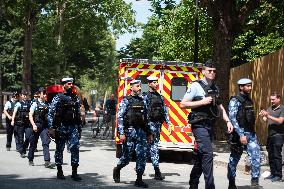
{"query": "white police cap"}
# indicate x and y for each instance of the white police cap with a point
(134, 81)
(67, 80)
(244, 81)
(152, 78)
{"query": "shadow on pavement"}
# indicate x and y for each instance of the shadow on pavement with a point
(248, 187)
(221, 147)
(90, 180)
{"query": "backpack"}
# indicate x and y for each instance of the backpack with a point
(155, 109)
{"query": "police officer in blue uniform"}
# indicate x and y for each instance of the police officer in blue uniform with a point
(242, 116)
(21, 121)
(64, 123)
(38, 119)
(8, 111)
(157, 114)
(203, 98)
(133, 132)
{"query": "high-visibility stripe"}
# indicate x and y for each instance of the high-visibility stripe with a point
(165, 137)
(178, 116)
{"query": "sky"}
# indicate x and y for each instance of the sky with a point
(141, 8)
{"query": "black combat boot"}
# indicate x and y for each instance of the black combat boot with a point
(139, 182)
(74, 175)
(232, 184)
(116, 174)
(193, 186)
(254, 183)
(60, 173)
(158, 174)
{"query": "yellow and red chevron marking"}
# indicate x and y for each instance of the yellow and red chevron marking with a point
(178, 116)
(121, 82)
(143, 70)
(120, 90)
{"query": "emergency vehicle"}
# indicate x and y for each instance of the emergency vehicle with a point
(174, 80)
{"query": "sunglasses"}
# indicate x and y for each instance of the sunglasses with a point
(211, 71)
(69, 83)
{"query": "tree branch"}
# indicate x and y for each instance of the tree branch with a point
(246, 10)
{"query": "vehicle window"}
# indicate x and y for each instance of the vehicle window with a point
(144, 83)
(179, 87)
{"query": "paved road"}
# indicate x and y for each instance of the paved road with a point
(97, 159)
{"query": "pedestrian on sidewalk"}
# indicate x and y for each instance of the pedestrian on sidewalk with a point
(242, 116)
(110, 115)
(274, 115)
(203, 98)
(8, 111)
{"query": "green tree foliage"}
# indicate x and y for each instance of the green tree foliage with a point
(263, 33)
(70, 37)
(87, 49)
(177, 33)
(169, 33)
(10, 55)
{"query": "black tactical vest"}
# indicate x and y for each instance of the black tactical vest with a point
(245, 115)
(23, 112)
(40, 115)
(155, 108)
(135, 112)
(209, 111)
(68, 112)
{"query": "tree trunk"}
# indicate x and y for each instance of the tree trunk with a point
(29, 24)
(61, 6)
(222, 57)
